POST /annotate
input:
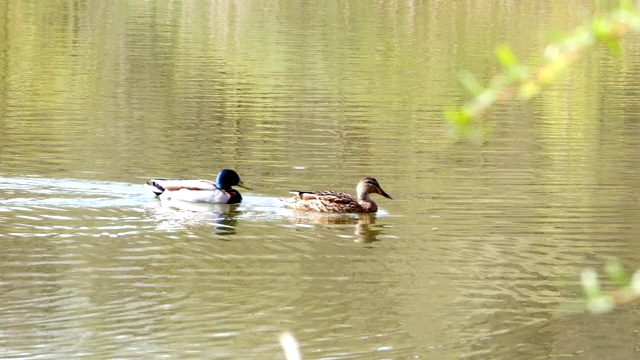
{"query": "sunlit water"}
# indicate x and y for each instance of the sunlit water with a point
(477, 256)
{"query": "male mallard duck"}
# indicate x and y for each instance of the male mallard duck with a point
(207, 191)
(338, 202)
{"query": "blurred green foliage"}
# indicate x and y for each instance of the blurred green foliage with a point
(625, 288)
(518, 80)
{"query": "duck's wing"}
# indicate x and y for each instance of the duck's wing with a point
(328, 196)
(158, 186)
(323, 201)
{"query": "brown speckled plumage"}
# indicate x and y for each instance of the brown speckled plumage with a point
(339, 202)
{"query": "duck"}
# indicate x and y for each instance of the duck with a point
(200, 191)
(339, 202)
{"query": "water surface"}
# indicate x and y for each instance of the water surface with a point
(477, 256)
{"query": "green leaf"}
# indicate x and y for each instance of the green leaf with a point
(600, 28)
(472, 84)
(617, 274)
(458, 118)
(506, 56)
(519, 72)
(614, 47)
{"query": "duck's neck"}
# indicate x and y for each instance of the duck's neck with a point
(367, 204)
(234, 196)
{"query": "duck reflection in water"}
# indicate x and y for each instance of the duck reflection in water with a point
(224, 215)
(226, 224)
(364, 230)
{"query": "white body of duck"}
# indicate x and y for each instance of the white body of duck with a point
(202, 191)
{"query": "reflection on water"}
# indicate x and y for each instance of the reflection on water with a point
(362, 224)
(223, 217)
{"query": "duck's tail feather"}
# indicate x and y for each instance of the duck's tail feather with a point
(155, 186)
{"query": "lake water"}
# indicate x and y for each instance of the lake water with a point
(478, 255)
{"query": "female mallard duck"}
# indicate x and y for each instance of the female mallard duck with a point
(207, 191)
(338, 202)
